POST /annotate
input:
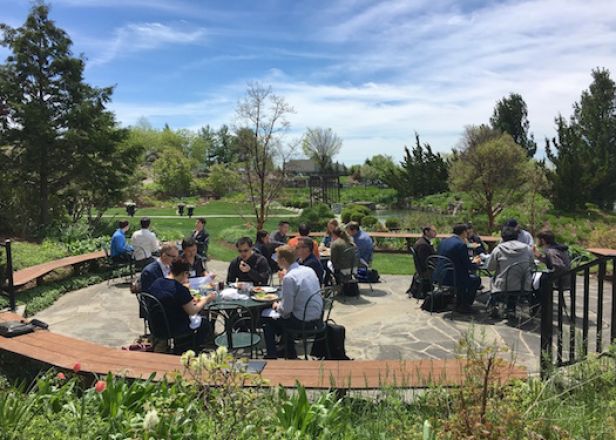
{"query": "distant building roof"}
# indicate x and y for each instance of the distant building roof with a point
(302, 166)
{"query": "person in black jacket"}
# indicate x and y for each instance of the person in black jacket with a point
(248, 266)
(421, 283)
(306, 257)
(264, 246)
(202, 237)
(160, 267)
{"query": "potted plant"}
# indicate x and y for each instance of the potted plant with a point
(181, 206)
(191, 210)
(130, 208)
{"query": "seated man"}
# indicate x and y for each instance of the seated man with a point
(196, 262)
(248, 266)
(298, 287)
(556, 258)
(363, 241)
(120, 250)
(160, 267)
(280, 236)
(178, 304)
(202, 237)
(422, 279)
(305, 256)
(510, 251)
(304, 231)
(145, 244)
(466, 283)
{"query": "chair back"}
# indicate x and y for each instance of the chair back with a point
(416, 262)
(315, 297)
(578, 261)
(155, 315)
(517, 277)
(442, 269)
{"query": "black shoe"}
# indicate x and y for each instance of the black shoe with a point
(270, 356)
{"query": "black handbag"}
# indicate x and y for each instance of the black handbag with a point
(10, 329)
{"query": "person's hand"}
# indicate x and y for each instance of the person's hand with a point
(244, 267)
(281, 274)
(536, 251)
(476, 259)
(211, 297)
(275, 305)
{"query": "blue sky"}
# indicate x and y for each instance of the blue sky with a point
(374, 72)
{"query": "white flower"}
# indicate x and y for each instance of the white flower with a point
(222, 351)
(150, 420)
(187, 356)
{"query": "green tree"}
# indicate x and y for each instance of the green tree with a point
(56, 125)
(421, 173)
(321, 145)
(172, 173)
(511, 116)
(492, 173)
(223, 180)
(583, 153)
(263, 122)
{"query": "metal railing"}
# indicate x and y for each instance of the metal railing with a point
(7, 288)
(569, 321)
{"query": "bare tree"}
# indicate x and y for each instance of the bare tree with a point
(321, 145)
(262, 123)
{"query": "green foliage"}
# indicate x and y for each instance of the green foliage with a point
(223, 179)
(316, 217)
(511, 116)
(491, 183)
(233, 233)
(172, 173)
(354, 213)
(583, 153)
(369, 221)
(65, 149)
(392, 223)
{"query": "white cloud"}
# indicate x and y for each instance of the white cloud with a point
(137, 37)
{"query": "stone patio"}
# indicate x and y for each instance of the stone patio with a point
(381, 324)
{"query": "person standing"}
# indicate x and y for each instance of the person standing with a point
(248, 266)
(465, 281)
(301, 305)
(202, 237)
(120, 250)
(145, 244)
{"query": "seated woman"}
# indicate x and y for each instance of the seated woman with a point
(196, 261)
(178, 304)
(343, 255)
(327, 240)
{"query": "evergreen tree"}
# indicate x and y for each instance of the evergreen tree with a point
(57, 129)
(511, 116)
(583, 154)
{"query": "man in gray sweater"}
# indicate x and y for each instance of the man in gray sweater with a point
(509, 252)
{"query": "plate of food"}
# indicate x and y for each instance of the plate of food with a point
(264, 289)
(265, 297)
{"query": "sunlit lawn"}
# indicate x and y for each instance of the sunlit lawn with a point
(214, 207)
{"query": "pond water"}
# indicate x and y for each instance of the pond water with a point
(383, 214)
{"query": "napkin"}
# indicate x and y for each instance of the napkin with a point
(270, 313)
(195, 322)
(231, 293)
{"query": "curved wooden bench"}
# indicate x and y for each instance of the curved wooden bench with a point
(36, 273)
(63, 352)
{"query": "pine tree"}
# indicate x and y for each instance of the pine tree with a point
(511, 116)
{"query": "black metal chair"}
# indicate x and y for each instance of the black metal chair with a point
(160, 329)
(311, 334)
(235, 337)
(423, 279)
(355, 266)
(444, 277)
(518, 285)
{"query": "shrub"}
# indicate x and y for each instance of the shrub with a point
(354, 213)
(369, 221)
(234, 233)
(316, 217)
(392, 223)
(603, 237)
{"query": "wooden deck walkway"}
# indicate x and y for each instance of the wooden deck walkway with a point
(36, 273)
(63, 352)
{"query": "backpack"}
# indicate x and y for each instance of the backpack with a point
(335, 337)
(420, 287)
(365, 275)
(350, 289)
(436, 302)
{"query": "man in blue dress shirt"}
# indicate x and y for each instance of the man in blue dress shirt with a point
(467, 283)
(121, 251)
(363, 241)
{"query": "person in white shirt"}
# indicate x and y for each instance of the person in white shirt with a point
(145, 244)
(301, 305)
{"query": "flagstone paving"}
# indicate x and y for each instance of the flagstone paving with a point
(380, 324)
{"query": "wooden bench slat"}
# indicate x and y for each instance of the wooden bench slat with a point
(24, 276)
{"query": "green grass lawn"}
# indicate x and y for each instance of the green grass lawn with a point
(211, 208)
